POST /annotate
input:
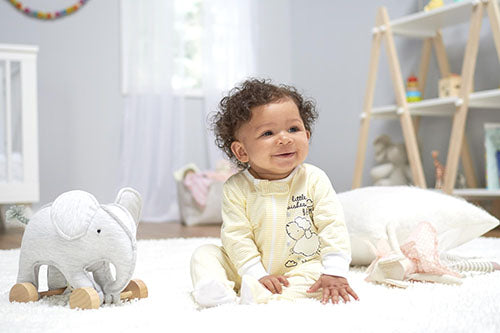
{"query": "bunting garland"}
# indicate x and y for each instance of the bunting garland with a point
(47, 15)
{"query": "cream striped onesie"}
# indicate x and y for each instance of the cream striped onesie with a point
(293, 227)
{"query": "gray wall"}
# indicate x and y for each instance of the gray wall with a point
(79, 99)
(274, 40)
(330, 59)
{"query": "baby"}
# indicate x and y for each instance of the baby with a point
(283, 233)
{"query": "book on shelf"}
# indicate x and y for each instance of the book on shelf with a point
(492, 155)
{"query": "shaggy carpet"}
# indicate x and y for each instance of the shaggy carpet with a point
(163, 265)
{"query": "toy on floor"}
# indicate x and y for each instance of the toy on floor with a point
(75, 236)
(392, 163)
(433, 4)
(412, 92)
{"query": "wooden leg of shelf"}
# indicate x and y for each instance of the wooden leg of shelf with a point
(454, 150)
(399, 90)
(495, 208)
(412, 150)
(460, 117)
(361, 152)
(494, 17)
(422, 76)
(416, 124)
(424, 65)
(442, 58)
(470, 175)
(368, 103)
(444, 68)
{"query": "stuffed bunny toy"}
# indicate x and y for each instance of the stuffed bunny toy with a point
(392, 163)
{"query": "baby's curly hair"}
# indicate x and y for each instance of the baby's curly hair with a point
(235, 109)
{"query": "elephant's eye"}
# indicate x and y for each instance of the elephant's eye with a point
(98, 231)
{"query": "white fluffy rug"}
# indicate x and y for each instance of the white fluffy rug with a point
(163, 265)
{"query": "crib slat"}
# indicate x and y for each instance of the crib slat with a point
(25, 188)
(8, 122)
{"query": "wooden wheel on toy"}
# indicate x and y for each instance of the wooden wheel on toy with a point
(135, 289)
(87, 298)
(27, 292)
(84, 298)
(23, 293)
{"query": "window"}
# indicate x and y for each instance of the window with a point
(188, 30)
(165, 43)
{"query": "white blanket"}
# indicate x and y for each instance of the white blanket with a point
(163, 265)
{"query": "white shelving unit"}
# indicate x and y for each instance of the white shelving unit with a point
(427, 26)
(440, 107)
(477, 194)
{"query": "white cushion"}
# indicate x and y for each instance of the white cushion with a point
(369, 210)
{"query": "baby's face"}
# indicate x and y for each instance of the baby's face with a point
(274, 141)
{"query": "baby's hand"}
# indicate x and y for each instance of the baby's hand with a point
(333, 287)
(273, 283)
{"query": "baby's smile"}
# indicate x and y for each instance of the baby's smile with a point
(285, 155)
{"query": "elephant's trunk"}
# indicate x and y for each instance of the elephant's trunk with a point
(124, 272)
(128, 204)
(123, 252)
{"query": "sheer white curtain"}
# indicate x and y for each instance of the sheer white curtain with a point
(229, 54)
(154, 129)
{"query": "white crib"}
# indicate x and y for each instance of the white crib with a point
(19, 181)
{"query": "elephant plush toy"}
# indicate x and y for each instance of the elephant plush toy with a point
(75, 235)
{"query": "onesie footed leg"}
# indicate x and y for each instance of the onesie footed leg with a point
(214, 276)
(209, 293)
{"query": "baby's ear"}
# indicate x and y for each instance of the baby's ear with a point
(308, 135)
(239, 151)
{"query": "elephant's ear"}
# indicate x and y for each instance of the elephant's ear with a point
(72, 213)
(132, 201)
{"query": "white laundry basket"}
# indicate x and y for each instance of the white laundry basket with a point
(190, 211)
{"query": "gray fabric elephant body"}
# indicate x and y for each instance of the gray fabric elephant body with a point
(75, 236)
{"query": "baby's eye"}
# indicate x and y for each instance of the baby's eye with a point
(267, 133)
(293, 129)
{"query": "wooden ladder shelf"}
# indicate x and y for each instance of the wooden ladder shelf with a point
(428, 25)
